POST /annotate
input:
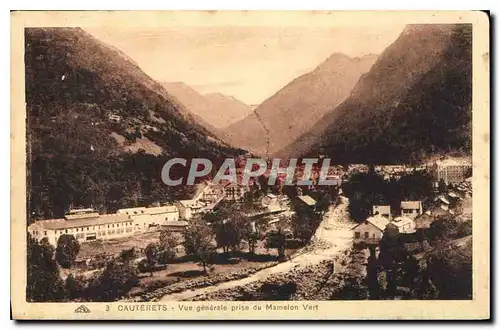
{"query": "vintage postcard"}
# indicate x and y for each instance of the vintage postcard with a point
(250, 165)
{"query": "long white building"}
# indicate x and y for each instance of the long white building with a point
(84, 226)
(87, 225)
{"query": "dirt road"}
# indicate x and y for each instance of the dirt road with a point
(334, 230)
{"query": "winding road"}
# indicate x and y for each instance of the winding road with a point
(334, 230)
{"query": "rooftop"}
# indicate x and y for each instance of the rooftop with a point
(58, 224)
(452, 162)
(382, 209)
(307, 200)
(191, 203)
(401, 221)
(379, 221)
(411, 205)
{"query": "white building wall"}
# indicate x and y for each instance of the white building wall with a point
(367, 233)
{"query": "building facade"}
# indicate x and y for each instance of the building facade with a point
(151, 218)
(84, 227)
(190, 207)
(411, 209)
(450, 171)
(404, 225)
(371, 230)
(87, 225)
(384, 210)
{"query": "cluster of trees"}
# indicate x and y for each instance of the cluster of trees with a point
(442, 270)
(367, 189)
(163, 252)
(44, 283)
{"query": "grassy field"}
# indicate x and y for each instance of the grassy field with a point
(115, 246)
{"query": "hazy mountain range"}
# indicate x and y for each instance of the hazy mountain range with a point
(215, 109)
(414, 102)
(299, 105)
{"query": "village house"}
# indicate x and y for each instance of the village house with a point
(114, 118)
(442, 200)
(234, 191)
(85, 225)
(207, 192)
(269, 199)
(190, 207)
(305, 203)
(371, 230)
(404, 225)
(384, 210)
(411, 209)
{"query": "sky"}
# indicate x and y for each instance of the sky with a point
(250, 63)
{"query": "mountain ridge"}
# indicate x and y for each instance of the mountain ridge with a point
(89, 110)
(297, 106)
(215, 109)
(408, 82)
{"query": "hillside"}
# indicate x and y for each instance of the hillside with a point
(99, 129)
(414, 102)
(295, 108)
(216, 109)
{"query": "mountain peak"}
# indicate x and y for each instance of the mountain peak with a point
(414, 101)
(296, 107)
(215, 109)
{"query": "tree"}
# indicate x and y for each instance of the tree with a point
(230, 231)
(199, 242)
(447, 228)
(372, 275)
(151, 252)
(252, 236)
(67, 250)
(43, 281)
(114, 282)
(400, 266)
(168, 243)
(415, 186)
(75, 287)
(450, 270)
(127, 254)
(363, 191)
(276, 238)
(468, 172)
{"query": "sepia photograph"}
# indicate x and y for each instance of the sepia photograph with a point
(296, 161)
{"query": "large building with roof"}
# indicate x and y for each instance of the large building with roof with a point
(84, 225)
(450, 171)
(87, 225)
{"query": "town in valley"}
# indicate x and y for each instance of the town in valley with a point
(106, 108)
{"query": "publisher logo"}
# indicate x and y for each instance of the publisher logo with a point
(82, 309)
